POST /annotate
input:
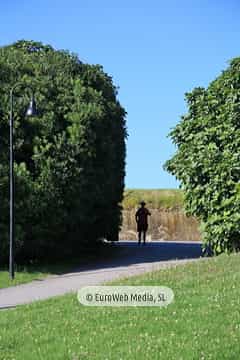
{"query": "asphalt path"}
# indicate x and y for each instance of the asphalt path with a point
(133, 259)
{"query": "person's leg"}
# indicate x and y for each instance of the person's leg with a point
(144, 237)
(139, 237)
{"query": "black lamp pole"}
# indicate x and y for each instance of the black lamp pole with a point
(31, 111)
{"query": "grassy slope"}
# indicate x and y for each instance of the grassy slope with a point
(158, 198)
(202, 323)
(24, 274)
(21, 277)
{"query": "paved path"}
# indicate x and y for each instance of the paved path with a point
(132, 260)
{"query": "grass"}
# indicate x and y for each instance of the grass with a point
(202, 323)
(158, 198)
(25, 274)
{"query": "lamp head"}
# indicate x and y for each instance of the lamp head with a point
(32, 108)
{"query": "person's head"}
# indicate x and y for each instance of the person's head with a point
(142, 203)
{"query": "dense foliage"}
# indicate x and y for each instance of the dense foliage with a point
(207, 161)
(69, 160)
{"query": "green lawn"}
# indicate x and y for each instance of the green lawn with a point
(155, 198)
(24, 274)
(202, 323)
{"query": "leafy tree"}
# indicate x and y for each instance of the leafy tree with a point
(207, 161)
(69, 161)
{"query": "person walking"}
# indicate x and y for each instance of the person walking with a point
(141, 217)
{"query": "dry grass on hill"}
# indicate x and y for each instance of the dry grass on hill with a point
(154, 198)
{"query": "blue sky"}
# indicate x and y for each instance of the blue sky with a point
(155, 51)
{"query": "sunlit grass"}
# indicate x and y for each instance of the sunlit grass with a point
(202, 323)
(27, 273)
(21, 278)
(156, 198)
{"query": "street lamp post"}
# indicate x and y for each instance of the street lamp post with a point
(31, 111)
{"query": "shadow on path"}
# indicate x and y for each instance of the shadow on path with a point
(122, 259)
(126, 253)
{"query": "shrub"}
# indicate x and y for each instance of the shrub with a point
(207, 161)
(69, 161)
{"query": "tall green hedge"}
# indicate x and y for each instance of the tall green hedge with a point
(69, 160)
(207, 161)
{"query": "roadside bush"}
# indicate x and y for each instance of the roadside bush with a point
(207, 161)
(69, 160)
